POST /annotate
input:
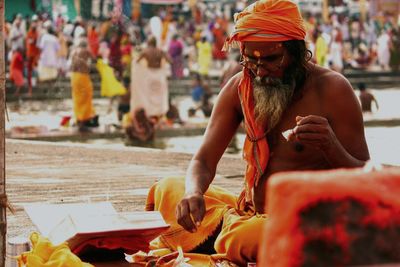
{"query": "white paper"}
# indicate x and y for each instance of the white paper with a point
(76, 222)
(287, 133)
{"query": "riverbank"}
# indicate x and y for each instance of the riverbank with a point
(44, 172)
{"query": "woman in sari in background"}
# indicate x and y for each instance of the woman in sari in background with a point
(175, 51)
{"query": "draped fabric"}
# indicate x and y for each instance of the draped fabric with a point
(236, 232)
(268, 20)
(82, 94)
(255, 149)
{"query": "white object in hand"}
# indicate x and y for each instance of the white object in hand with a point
(287, 133)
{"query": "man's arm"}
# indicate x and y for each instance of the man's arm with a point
(141, 56)
(167, 57)
(340, 133)
(375, 101)
(224, 121)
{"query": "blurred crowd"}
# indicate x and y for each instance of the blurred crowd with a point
(350, 42)
(39, 48)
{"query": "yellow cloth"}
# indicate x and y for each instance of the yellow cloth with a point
(204, 57)
(321, 51)
(239, 238)
(82, 94)
(109, 86)
(45, 254)
(268, 20)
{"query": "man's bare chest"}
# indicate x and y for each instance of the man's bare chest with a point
(292, 153)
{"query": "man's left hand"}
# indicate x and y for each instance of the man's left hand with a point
(315, 131)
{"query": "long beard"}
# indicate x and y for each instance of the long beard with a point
(271, 97)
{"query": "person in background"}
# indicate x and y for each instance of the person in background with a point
(127, 50)
(62, 54)
(204, 56)
(82, 88)
(336, 51)
(17, 70)
(384, 41)
(78, 30)
(321, 49)
(366, 98)
(17, 34)
(32, 53)
(149, 84)
(49, 46)
(93, 40)
(110, 86)
(115, 57)
(172, 115)
(175, 51)
(138, 126)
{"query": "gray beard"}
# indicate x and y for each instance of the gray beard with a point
(271, 97)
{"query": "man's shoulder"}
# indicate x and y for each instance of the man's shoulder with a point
(229, 93)
(328, 81)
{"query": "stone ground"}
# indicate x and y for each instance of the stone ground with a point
(43, 172)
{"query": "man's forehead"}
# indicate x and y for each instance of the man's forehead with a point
(258, 49)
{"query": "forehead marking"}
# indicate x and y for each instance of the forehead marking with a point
(256, 53)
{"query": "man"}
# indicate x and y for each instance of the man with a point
(49, 47)
(17, 34)
(366, 99)
(149, 85)
(32, 52)
(277, 90)
(82, 88)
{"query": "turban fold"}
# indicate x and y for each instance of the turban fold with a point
(268, 20)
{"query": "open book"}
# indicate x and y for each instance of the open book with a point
(81, 224)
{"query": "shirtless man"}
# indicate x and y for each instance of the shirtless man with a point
(366, 99)
(149, 84)
(278, 90)
(154, 55)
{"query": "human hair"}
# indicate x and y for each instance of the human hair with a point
(152, 41)
(361, 86)
(300, 55)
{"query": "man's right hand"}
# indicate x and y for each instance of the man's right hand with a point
(190, 211)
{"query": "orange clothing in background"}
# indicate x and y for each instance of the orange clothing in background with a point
(32, 51)
(17, 68)
(93, 41)
(82, 93)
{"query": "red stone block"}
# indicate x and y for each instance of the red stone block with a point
(344, 217)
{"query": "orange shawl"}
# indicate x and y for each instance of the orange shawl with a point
(268, 20)
(255, 149)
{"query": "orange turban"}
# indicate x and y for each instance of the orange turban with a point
(268, 20)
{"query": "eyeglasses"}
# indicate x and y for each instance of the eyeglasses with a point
(270, 63)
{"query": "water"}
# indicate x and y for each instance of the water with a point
(383, 142)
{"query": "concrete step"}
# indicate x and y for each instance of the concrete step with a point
(61, 88)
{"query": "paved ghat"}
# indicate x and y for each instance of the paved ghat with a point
(72, 173)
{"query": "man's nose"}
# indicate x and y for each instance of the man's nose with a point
(261, 72)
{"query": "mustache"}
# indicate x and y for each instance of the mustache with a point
(267, 81)
(272, 96)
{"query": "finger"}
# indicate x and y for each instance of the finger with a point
(183, 217)
(186, 219)
(310, 137)
(198, 211)
(311, 128)
(312, 119)
(299, 118)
